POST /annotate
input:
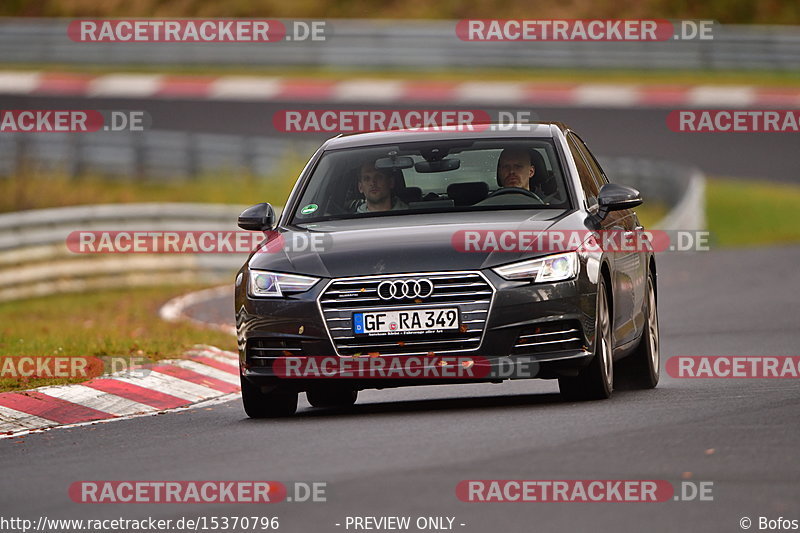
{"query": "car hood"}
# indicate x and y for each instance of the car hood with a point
(401, 244)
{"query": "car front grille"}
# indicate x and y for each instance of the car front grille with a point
(550, 337)
(469, 291)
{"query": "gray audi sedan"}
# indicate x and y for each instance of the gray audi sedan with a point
(452, 256)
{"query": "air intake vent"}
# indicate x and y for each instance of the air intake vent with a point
(550, 337)
(262, 351)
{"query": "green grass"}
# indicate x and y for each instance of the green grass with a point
(107, 324)
(745, 213)
(554, 75)
(650, 213)
(22, 192)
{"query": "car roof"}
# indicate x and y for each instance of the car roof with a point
(479, 131)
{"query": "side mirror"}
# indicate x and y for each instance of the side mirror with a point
(260, 217)
(614, 197)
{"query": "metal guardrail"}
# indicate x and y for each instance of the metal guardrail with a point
(680, 187)
(413, 44)
(35, 260)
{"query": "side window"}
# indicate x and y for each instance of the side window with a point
(593, 164)
(588, 181)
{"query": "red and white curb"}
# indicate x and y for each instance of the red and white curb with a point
(207, 373)
(365, 91)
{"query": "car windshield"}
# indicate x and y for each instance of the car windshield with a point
(433, 176)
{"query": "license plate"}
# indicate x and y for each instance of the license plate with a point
(408, 321)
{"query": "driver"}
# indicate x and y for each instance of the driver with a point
(377, 186)
(514, 168)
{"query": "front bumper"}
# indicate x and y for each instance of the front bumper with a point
(532, 331)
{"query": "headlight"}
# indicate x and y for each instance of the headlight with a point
(274, 284)
(557, 267)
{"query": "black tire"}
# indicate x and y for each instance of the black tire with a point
(596, 381)
(259, 404)
(642, 368)
(331, 397)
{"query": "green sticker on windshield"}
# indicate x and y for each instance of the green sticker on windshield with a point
(310, 208)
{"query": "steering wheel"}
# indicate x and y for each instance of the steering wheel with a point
(515, 190)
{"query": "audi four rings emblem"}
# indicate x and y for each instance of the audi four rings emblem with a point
(405, 288)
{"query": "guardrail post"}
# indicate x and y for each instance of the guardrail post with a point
(20, 150)
(76, 166)
(139, 156)
(192, 163)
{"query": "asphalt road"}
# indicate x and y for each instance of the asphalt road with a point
(610, 132)
(402, 452)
